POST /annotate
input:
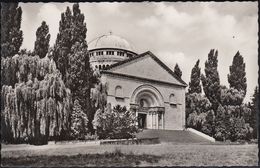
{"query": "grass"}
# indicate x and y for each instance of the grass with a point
(135, 155)
(116, 158)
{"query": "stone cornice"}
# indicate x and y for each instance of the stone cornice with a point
(140, 78)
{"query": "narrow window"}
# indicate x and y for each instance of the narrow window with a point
(119, 92)
(172, 100)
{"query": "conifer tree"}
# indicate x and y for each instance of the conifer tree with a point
(237, 76)
(71, 56)
(79, 121)
(11, 35)
(63, 43)
(41, 44)
(254, 112)
(209, 125)
(211, 82)
(194, 85)
(177, 71)
(72, 30)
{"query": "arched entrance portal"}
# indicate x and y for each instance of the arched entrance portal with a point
(148, 104)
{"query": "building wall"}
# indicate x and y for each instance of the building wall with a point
(174, 118)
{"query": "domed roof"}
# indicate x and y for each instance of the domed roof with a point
(110, 41)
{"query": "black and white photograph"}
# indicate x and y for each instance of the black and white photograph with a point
(129, 84)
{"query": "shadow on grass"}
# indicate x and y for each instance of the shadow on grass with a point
(116, 158)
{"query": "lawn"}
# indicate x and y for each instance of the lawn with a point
(165, 154)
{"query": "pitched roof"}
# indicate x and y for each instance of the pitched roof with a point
(153, 57)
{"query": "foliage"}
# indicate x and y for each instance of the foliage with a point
(79, 121)
(211, 82)
(237, 76)
(230, 123)
(72, 59)
(208, 126)
(72, 29)
(41, 44)
(254, 106)
(222, 124)
(231, 96)
(115, 124)
(194, 85)
(197, 103)
(177, 71)
(37, 107)
(196, 121)
(11, 35)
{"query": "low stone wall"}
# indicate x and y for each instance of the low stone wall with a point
(89, 142)
(201, 134)
(130, 141)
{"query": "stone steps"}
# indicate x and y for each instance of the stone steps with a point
(175, 136)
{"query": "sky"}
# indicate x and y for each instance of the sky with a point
(176, 32)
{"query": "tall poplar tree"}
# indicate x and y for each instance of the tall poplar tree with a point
(63, 43)
(11, 35)
(211, 81)
(194, 85)
(177, 71)
(71, 56)
(237, 75)
(41, 44)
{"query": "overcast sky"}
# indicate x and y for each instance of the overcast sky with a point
(176, 32)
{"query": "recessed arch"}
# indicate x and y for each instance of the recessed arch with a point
(149, 94)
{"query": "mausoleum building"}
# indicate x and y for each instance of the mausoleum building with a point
(141, 82)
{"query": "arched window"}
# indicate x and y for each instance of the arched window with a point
(96, 67)
(172, 99)
(119, 92)
(104, 66)
(99, 66)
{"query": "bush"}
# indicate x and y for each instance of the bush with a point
(79, 122)
(118, 123)
(197, 109)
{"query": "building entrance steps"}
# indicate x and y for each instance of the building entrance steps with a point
(175, 136)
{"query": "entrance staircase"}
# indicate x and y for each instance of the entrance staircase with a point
(172, 136)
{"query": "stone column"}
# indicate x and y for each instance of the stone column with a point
(156, 120)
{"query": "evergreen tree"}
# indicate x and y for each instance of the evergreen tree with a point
(63, 43)
(41, 44)
(231, 96)
(79, 121)
(254, 112)
(11, 35)
(237, 76)
(211, 82)
(194, 85)
(177, 71)
(71, 56)
(221, 129)
(209, 125)
(72, 30)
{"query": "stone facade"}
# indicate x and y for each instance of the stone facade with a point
(149, 88)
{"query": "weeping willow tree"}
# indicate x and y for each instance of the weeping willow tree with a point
(35, 104)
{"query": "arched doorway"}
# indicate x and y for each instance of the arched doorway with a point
(148, 104)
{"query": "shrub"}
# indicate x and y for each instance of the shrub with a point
(118, 123)
(79, 122)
